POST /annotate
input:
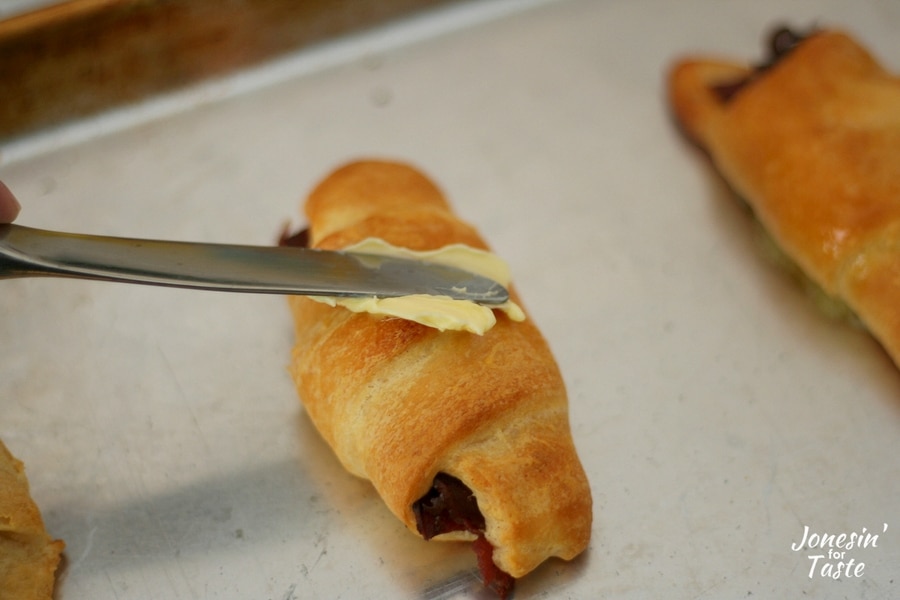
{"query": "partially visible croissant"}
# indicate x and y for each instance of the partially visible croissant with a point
(430, 416)
(28, 556)
(812, 142)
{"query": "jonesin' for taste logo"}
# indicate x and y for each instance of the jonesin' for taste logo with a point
(831, 555)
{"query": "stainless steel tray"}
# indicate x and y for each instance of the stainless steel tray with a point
(717, 412)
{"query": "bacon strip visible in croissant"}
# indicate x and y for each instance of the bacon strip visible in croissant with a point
(812, 142)
(440, 422)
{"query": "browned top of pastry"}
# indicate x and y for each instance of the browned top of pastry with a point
(812, 142)
(400, 402)
(397, 204)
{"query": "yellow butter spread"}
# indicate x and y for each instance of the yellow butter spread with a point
(441, 312)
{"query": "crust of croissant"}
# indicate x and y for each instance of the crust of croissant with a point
(813, 145)
(400, 402)
(28, 555)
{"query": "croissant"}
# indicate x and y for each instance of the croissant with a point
(463, 436)
(811, 140)
(28, 556)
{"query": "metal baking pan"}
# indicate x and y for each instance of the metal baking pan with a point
(718, 413)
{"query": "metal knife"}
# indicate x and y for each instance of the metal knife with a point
(26, 251)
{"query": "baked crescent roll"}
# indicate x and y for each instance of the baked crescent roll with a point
(811, 140)
(28, 556)
(464, 436)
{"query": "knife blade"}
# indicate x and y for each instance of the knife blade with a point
(27, 251)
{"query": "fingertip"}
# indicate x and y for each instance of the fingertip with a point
(9, 205)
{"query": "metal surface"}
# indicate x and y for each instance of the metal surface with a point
(26, 251)
(717, 412)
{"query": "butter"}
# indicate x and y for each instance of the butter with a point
(441, 312)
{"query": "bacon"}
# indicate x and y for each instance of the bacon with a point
(501, 582)
(781, 42)
(451, 506)
(300, 239)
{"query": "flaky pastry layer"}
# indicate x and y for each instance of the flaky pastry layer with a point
(812, 143)
(400, 402)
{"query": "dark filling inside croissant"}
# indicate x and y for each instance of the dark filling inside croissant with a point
(451, 506)
(299, 239)
(781, 42)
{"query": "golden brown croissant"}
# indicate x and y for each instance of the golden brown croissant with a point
(28, 556)
(811, 140)
(458, 432)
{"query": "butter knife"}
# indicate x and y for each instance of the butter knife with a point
(26, 251)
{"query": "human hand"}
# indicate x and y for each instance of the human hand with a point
(9, 206)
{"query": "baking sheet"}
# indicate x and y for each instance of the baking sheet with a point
(717, 412)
